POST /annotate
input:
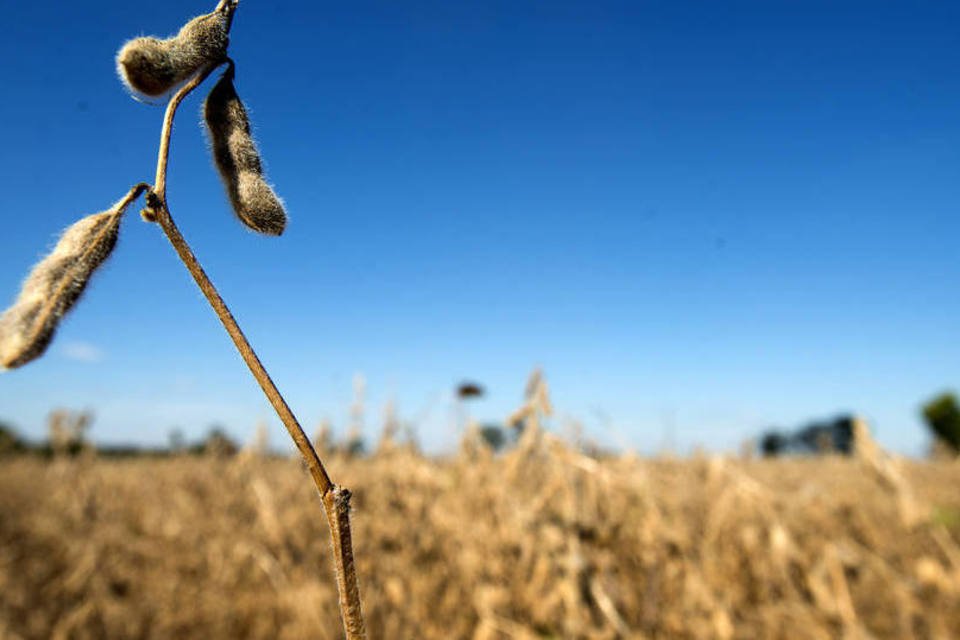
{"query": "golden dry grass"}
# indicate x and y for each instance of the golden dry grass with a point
(542, 542)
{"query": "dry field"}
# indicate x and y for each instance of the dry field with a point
(542, 542)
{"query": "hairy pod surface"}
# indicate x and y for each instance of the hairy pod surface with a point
(55, 285)
(153, 67)
(238, 160)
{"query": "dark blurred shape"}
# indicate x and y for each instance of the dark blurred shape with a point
(828, 437)
(10, 441)
(824, 437)
(494, 435)
(773, 443)
(217, 444)
(942, 415)
(470, 390)
(120, 451)
(354, 446)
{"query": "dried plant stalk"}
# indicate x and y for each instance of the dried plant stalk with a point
(57, 282)
(336, 500)
(336, 503)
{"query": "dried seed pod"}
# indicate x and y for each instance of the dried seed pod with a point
(55, 285)
(153, 67)
(238, 160)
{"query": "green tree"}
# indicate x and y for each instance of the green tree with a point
(942, 415)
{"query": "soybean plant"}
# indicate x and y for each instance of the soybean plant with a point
(154, 67)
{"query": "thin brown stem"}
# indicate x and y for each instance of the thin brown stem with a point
(166, 132)
(158, 210)
(314, 465)
(160, 184)
(336, 501)
(132, 195)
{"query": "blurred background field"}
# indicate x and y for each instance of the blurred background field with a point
(546, 539)
(711, 222)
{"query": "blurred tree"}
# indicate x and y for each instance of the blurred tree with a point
(494, 436)
(830, 436)
(942, 415)
(219, 444)
(773, 443)
(10, 442)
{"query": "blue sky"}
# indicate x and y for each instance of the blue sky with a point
(700, 218)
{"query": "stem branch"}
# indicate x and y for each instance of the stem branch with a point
(336, 500)
(166, 132)
(315, 466)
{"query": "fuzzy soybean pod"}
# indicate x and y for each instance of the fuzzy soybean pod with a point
(153, 67)
(238, 160)
(55, 285)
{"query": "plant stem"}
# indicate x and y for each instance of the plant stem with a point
(336, 503)
(336, 500)
(166, 132)
(315, 466)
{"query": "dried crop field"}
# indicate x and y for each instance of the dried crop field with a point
(540, 542)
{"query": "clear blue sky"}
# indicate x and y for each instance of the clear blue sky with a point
(701, 218)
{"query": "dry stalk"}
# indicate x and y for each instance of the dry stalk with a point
(336, 501)
(889, 472)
